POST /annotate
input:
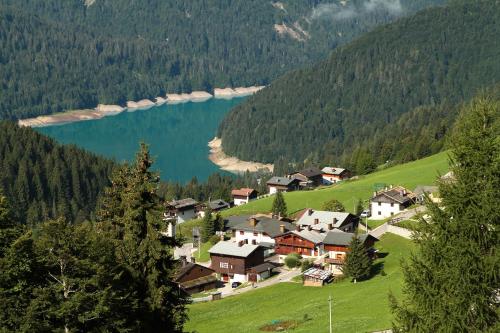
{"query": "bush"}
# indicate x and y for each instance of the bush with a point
(306, 264)
(292, 260)
(214, 239)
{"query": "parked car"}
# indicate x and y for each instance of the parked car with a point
(235, 284)
(366, 213)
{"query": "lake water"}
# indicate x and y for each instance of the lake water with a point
(177, 135)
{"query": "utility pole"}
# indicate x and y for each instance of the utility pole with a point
(330, 307)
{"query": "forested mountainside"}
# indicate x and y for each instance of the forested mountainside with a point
(398, 79)
(43, 179)
(59, 55)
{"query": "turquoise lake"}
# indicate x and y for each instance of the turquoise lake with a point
(177, 136)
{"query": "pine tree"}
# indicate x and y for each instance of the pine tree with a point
(208, 226)
(357, 264)
(359, 207)
(333, 205)
(451, 282)
(279, 205)
(133, 214)
(9, 230)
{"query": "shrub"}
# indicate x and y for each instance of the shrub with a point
(214, 239)
(292, 260)
(306, 264)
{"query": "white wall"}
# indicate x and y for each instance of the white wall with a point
(239, 278)
(272, 190)
(250, 236)
(239, 202)
(385, 209)
(186, 215)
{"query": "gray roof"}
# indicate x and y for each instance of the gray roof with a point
(317, 273)
(324, 217)
(309, 172)
(337, 237)
(182, 203)
(217, 204)
(230, 248)
(263, 267)
(284, 181)
(332, 171)
(233, 221)
(312, 236)
(394, 195)
(266, 225)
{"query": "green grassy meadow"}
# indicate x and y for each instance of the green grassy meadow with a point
(360, 307)
(420, 172)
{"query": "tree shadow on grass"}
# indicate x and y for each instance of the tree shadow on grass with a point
(377, 269)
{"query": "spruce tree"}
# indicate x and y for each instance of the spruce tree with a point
(357, 264)
(208, 226)
(9, 229)
(133, 216)
(279, 205)
(451, 283)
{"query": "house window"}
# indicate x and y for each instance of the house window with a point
(224, 265)
(242, 232)
(380, 204)
(392, 213)
(392, 204)
(379, 213)
(255, 234)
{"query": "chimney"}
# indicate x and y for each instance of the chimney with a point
(246, 241)
(253, 221)
(309, 212)
(404, 192)
(183, 260)
(240, 243)
(309, 228)
(254, 242)
(330, 226)
(193, 260)
(297, 227)
(282, 228)
(390, 186)
(316, 221)
(335, 220)
(374, 194)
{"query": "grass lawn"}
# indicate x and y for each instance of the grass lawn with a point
(203, 255)
(408, 224)
(357, 307)
(421, 172)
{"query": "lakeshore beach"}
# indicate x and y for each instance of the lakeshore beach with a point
(233, 164)
(103, 110)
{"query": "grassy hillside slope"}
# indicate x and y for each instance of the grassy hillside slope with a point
(421, 172)
(357, 307)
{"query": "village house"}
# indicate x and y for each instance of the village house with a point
(282, 184)
(336, 245)
(422, 190)
(324, 221)
(181, 210)
(390, 201)
(243, 196)
(234, 261)
(334, 175)
(194, 278)
(310, 177)
(261, 230)
(305, 242)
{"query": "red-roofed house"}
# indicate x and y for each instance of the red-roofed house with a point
(243, 195)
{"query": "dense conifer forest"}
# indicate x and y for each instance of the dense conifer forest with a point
(61, 55)
(390, 95)
(44, 180)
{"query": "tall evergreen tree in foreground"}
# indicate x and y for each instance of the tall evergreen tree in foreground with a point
(208, 225)
(357, 264)
(279, 205)
(131, 212)
(452, 281)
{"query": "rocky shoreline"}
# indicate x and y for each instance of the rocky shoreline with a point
(103, 110)
(233, 164)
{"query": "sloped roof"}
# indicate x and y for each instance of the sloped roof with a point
(230, 248)
(263, 267)
(217, 204)
(199, 281)
(309, 172)
(324, 217)
(337, 237)
(317, 274)
(284, 181)
(266, 225)
(186, 268)
(332, 171)
(233, 221)
(245, 192)
(421, 189)
(395, 194)
(182, 203)
(312, 236)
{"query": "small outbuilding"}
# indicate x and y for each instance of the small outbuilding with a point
(315, 277)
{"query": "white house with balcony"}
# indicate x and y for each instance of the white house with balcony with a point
(390, 201)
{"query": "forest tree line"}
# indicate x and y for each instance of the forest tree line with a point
(377, 98)
(63, 55)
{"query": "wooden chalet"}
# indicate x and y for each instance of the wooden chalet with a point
(309, 177)
(194, 278)
(282, 184)
(243, 195)
(333, 175)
